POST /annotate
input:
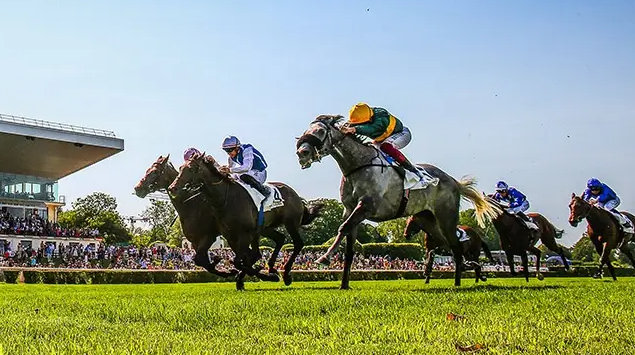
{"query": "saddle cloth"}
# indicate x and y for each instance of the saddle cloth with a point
(411, 181)
(273, 201)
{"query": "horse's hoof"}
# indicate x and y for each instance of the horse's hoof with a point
(597, 276)
(273, 277)
(427, 281)
(483, 278)
(287, 279)
(540, 277)
(240, 286)
(345, 287)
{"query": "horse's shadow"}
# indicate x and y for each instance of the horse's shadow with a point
(486, 288)
(435, 290)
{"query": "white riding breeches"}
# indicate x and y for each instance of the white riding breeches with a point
(398, 140)
(522, 208)
(610, 204)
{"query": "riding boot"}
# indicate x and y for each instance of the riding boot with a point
(251, 181)
(523, 216)
(422, 174)
(406, 164)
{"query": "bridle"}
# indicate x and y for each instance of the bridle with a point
(318, 144)
(583, 215)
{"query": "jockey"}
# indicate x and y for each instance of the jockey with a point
(189, 152)
(518, 203)
(247, 162)
(388, 134)
(602, 196)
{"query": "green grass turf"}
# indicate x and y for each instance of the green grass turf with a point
(508, 316)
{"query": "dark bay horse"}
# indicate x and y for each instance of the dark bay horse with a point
(471, 248)
(202, 235)
(373, 190)
(603, 230)
(517, 239)
(237, 216)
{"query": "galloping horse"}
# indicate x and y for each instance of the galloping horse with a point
(603, 231)
(374, 190)
(157, 178)
(237, 216)
(517, 239)
(471, 248)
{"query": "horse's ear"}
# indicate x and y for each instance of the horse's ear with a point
(167, 157)
(573, 195)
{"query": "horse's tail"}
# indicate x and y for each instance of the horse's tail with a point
(485, 209)
(311, 212)
(488, 253)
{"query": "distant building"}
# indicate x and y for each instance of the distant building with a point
(34, 155)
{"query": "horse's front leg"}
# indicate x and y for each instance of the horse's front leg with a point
(599, 248)
(428, 267)
(510, 260)
(605, 260)
(349, 228)
(324, 259)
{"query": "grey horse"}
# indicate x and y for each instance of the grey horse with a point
(373, 190)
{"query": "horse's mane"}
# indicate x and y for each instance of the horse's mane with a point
(338, 121)
(210, 163)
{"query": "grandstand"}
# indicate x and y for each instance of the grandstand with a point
(34, 155)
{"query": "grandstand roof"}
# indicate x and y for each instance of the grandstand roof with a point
(51, 150)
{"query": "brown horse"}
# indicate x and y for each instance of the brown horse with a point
(237, 216)
(604, 231)
(157, 178)
(517, 239)
(471, 248)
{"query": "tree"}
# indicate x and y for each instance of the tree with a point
(160, 216)
(584, 250)
(327, 224)
(175, 235)
(393, 230)
(490, 236)
(94, 204)
(96, 211)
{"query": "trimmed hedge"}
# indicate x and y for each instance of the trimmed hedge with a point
(411, 251)
(67, 276)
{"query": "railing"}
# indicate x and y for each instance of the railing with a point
(55, 125)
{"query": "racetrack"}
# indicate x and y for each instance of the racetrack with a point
(507, 316)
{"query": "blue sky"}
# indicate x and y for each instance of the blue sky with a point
(541, 94)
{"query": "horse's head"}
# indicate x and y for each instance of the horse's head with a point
(198, 170)
(154, 179)
(317, 141)
(579, 210)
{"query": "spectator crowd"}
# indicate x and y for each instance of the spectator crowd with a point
(38, 226)
(160, 257)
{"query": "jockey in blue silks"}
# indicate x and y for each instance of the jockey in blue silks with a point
(247, 162)
(518, 203)
(602, 196)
